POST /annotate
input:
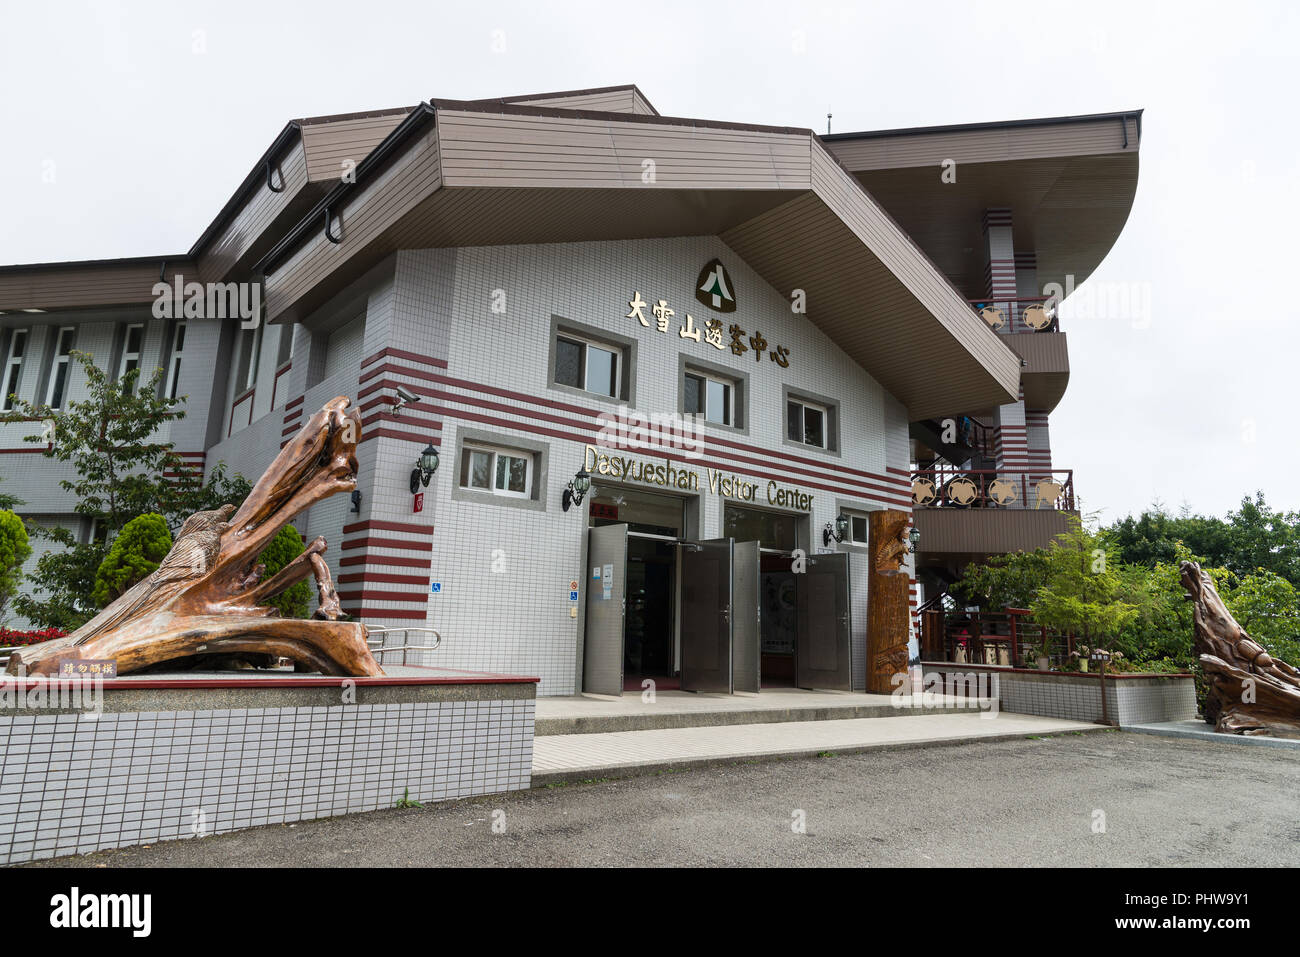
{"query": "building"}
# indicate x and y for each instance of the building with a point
(739, 333)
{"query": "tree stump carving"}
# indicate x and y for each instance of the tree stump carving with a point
(1249, 691)
(887, 600)
(204, 601)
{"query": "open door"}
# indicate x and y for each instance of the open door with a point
(746, 633)
(822, 654)
(706, 615)
(602, 652)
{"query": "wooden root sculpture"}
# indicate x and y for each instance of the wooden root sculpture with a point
(887, 600)
(202, 604)
(1250, 691)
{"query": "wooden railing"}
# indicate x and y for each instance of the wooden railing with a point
(995, 638)
(951, 487)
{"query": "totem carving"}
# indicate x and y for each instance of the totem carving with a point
(887, 600)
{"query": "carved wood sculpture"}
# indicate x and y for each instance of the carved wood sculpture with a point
(201, 605)
(1250, 692)
(887, 600)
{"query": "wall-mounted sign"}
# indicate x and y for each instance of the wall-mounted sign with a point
(601, 510)
(435, 588)
(668, 475)
(714, 288)
(419, 502)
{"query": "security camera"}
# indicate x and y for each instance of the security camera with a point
(404, 397)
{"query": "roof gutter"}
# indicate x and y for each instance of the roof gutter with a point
(419, 118)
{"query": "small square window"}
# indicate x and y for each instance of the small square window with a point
(858, 529)
(588, 366)
(497, 471)
(806, 423)
(710, 396)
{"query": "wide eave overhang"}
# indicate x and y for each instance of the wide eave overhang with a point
(1069, 182)
(482, 173)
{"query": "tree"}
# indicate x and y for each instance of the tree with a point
(280, 551)
(9, 502)
(14, 550)
(1004, 581)
(123, 469)
(1085, 590)
(138, 549)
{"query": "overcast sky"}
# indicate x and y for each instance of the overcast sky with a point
(149, 115)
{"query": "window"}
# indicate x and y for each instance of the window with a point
(587, 365)
(60, 367)
(498, 471)
(174, 363)
(250, 351)
(710, 396)
(857, 528)
(12, 374)
(806, 423)
(131, 343)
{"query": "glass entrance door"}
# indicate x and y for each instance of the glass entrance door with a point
(706, 615)
(602, 652)
(822, 654)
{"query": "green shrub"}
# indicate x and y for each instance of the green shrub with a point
(14, 550)
(136, 552)
(280, 551)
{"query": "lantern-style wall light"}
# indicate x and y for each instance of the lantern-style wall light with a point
(838, 531)
(424, 468)
(914, 537)
(577, 488)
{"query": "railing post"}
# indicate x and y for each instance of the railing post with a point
(1012, 657)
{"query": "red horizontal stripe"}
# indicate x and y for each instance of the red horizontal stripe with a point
(402, 354)
(386, 561)
(387, 543)
(374, 595)
(388, 579)
(387, 613)
(411, 527)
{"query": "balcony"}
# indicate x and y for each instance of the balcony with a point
(965, 514)
(1031, 329)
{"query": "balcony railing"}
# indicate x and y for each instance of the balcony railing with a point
(993, 488)
(1023, 314)
(991, 638)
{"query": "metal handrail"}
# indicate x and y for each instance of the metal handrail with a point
(381, 649)
(993, 488)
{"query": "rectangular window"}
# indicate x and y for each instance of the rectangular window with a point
(60, 367)
(711, 397)
(498, 471)
(806, 423)
(12, 374)
(858, 529)
(174, 362)
(587, 365)
(131, 345)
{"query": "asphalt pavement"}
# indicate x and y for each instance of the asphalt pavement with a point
(1093, 800)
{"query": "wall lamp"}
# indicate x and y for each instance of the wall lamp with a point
(424, 469)
(914, 537)
(836, 531)
(576, 490)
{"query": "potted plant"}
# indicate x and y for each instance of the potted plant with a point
(1043, 652)
(1082, 652)
(959, 650)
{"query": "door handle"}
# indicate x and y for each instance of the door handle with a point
(726, 613)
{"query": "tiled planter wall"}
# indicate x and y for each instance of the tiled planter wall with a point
(72, 783)
(1130, 699)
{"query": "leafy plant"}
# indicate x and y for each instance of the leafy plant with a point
(14, 550)
(138, 549)
(406, 801)
(280, 551)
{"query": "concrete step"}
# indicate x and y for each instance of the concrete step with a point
(594, 714)
(580, 757)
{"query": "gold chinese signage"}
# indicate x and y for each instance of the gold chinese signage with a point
(715, 291)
